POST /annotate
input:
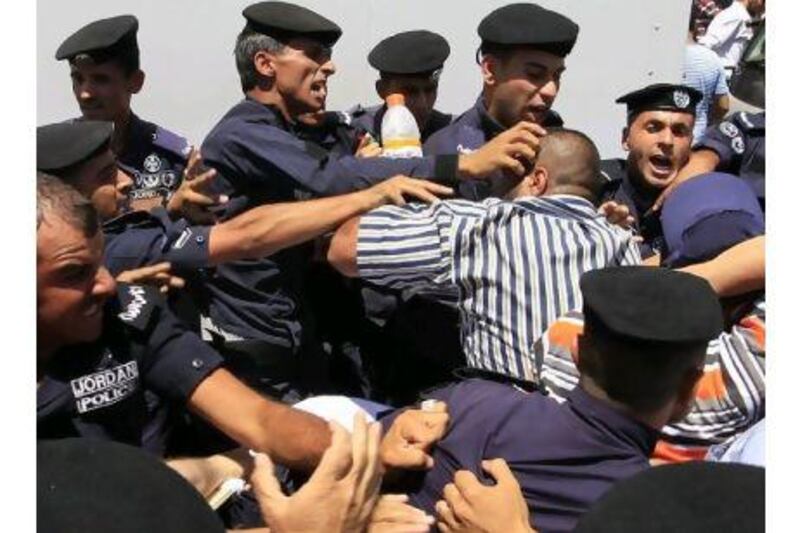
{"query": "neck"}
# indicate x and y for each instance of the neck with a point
(272, 98)
(120, 137)
(655, 420)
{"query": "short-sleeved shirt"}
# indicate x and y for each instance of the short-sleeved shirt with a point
(100, 389)
(467, 133)
(141, 238)
(728, 34)
(565, 456)
(740, 143)
(702, 70)
(260, 160)
(370, 118)
(511, 267)
(731, 395)
(154, 157)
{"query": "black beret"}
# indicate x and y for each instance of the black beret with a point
(410, 52)
(648, 304)
(661, 97)
(102, 35)
(64, 144)
(93, 485)
(530, 25)
(284, 21)
(689, 497)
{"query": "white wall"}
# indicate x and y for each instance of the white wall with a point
(187, 53)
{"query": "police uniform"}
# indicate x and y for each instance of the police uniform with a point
(620, 187)
(740, 143)
(260, 159)
(514, 25)
(566, 455)
(99, 390)
(336, 133)
(154, 156)
(391, 58)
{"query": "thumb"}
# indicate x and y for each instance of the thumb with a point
(265, 485)
(499, 470)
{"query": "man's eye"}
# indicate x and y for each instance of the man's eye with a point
(76, 273)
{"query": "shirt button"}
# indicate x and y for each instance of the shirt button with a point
(198, 363)
(200, 239)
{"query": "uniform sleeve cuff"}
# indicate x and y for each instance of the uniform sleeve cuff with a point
(445, 168)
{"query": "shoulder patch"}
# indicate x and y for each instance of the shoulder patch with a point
(729, 129)
(137, 304)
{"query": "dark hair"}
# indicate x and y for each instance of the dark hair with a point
(248, 43)
(641, 375)
(573, 163)
(57, 199)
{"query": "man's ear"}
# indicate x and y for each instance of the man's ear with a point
(489, 66)
(538, 180)
(625, 131)
(136, 81)
(264, 63)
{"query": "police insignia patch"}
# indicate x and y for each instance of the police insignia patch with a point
(168, 179)
(681, 99)
(152, 163)
(737, 143)
(729, 129)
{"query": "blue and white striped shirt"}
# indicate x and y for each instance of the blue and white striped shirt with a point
(514, 266)
(702, 70)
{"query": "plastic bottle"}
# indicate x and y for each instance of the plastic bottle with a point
(399, 130)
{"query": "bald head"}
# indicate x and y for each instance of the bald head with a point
(572, 163)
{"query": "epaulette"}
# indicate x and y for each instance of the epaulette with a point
(137, 304)
(171, 142)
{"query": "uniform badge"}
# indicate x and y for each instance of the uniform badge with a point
(168, 179)
(150, 181)
(681, 99)
(737, 144)
(729, 129)
(152, 163)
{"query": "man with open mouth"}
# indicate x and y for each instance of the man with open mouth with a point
(658, 139)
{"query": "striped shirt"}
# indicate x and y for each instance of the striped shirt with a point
(702, 70)
(731, 395)
(511, 266)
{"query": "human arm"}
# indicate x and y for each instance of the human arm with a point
(267, 229)
(158, 275)
(720, 107)
(470, 506)
(738, 270)
(193, 198)
(207, 473)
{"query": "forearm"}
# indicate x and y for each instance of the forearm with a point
(268, 229)
(291, 437)
(738, 270)
(720, 109)
(206, 473)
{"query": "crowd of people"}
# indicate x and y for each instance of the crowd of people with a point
(282, 329)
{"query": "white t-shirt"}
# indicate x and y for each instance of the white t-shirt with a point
(729, 33)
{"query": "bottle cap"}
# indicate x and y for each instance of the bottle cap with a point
(395, 99)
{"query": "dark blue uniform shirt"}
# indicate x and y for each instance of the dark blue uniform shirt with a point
(336, 134)
(142, 238)
(620, 189)
(104, 389)
(564, 455)
(369, 119)
(259, 160)
(471, 130)
(154, 157)
(740, 143)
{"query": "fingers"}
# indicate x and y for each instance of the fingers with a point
(456, 502)
(265, 485)
(410, 458)
(530, 127)
(446, 519)
(337, 459)
(359, 441)
(499, 470)
(466, 483)
(130, 276)
(192, 164)
(372, 473)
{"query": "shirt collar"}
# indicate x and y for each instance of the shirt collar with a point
(617, 424)
(571, 200)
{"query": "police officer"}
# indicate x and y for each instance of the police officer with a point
(260, 159)
(104, 66)
(642, 352)
(737, 145)
(658, 139)
(521, 55)
(415, 76)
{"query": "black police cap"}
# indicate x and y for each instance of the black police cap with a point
(410, 52)
(64, 144)
(693, 497)
(530, 25)
(284, 21)
(94, 485)
(648, 304)
(101, 36)
(661, 97)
